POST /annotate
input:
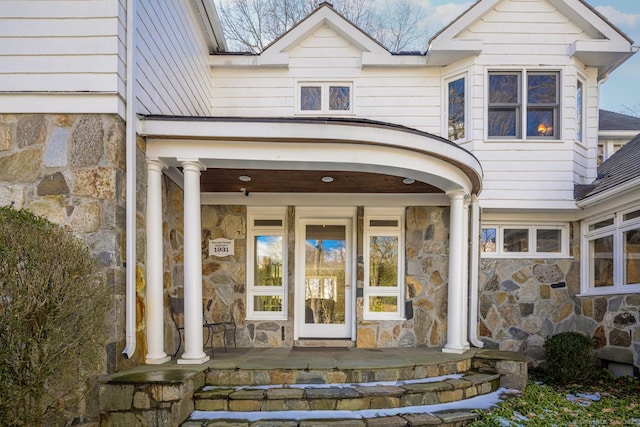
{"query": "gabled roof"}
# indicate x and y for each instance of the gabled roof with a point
(608, 48)
(276, 54)
(615, 121)
(620, 169)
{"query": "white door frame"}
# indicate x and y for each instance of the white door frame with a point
(304, 215)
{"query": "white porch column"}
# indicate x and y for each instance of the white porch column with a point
(465, 273)
(154, 266)
(193, 345)
(455, 302)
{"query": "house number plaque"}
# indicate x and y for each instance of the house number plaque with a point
(221, 247)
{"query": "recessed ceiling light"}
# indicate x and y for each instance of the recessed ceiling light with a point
(244, 178)
(408, 181)
(327, 179)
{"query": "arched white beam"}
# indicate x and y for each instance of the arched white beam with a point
(314, 156)
(312, 144)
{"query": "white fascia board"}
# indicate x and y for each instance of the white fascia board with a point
(352, 147)
(386, 60)
(610, 205)
(450, 51)
(618, 134)
(524, 217)
(475, 12)
(280, 60)
(62, 103)
(325, 15)
(211, 23)
(630, 187)
(599, 53)
(320, 132)
(515, 206)
(589, 20)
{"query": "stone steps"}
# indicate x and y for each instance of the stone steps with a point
(459, 418)
(369, 402)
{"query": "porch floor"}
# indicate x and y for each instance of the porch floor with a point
(306, 359)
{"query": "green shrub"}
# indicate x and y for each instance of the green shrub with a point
(53, 303)
(569, 357)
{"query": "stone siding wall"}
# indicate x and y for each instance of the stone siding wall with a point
(224, 279)
(525, 301)
(173, 253)
(427, 266)
(427, 275)
(70, 169)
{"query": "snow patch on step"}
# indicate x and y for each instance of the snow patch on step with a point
(341, 385)
(479, 402)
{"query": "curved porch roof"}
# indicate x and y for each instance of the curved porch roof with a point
(370, 154)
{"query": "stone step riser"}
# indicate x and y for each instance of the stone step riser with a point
(356, 398)
(249, 377)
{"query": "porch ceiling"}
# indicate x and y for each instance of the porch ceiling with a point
(218, 180)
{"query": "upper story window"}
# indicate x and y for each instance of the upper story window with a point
(266, 263)
(520, 241)
(611, 253)
(383, 254)
(456, 90)
(325, 97)
(530, 108)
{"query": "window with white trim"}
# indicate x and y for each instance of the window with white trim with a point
(523, 102)
(456, 104)
(524, 241)
(611, 253)
(266, 263)
(384, 261)
(325, 97)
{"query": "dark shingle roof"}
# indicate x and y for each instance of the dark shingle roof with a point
(616, 121)
(622, 167)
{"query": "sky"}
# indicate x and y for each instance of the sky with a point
(621, 91)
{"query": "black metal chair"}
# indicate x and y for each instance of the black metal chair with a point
(225, 326)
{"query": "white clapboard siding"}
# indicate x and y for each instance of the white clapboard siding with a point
(172, 69)
(521, 35)
(62, 47)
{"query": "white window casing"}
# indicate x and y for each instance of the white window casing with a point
(384, 226)
(456, 119)
(519, 240)
(615, 237)
(267, 231)
(517, 100)
(324, 97)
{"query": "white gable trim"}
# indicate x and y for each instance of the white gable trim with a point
(277, 53)
(608, 49)
(325, 15)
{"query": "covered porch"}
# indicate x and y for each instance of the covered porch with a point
(314, 165)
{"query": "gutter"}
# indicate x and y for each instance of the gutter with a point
(130, 143)
(474, 270)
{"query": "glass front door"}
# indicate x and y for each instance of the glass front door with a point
(323, 287)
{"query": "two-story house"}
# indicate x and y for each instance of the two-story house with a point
(326, 191)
